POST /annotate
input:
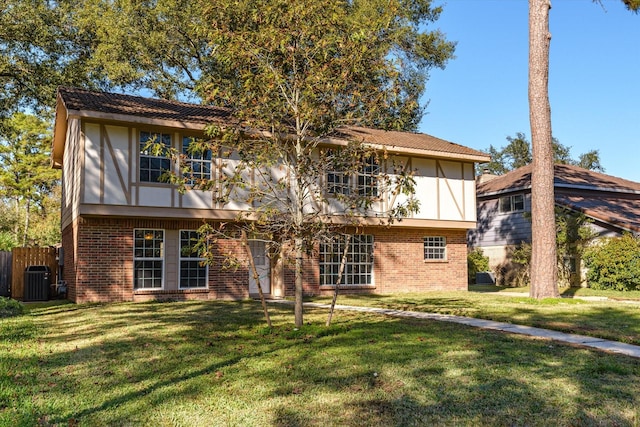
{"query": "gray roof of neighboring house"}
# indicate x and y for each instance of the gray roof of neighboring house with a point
(603, 197)
(565, 176)
(104, 105)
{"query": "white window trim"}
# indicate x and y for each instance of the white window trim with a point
(150, 157)
(181, 258)
(161, 259)
(339, 247)
(426, 246)
(200, 161)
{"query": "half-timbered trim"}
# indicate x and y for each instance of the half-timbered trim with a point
(97, 145)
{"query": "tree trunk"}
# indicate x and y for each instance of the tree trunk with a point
(26, 223)
(256, 276)
(298, 252)
(543, 231)
(343, 261)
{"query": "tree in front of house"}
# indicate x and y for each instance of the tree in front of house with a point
(293, 73)
(543, 266)
(517, 153)
(27, 181)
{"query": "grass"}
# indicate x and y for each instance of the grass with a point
(215, 363)
(610, 319)
(565, 292)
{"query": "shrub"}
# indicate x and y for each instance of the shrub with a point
(476, 262)
(614, 264)
(10, 307)
(514, 271)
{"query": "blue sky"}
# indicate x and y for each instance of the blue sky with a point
(594, 88)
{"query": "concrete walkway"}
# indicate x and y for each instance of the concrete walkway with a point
(581, 340)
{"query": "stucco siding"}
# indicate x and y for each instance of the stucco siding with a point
(71, 173)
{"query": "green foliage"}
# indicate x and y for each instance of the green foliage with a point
(517, 153)
(29, 187)
(41, 48)
(614, 264)
(10, 307)
(323, 61)
(573, 235)
(632, 5)
(293, 73)
(476, 262)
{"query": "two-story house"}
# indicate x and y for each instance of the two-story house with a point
(123, 230)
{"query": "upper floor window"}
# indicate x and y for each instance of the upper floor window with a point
(513, 203)
(435, 248)
(198, 160)
(338, 183)
(154, 155)
(368, 177)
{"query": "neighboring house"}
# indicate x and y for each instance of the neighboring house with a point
(123, 231)
(504, 205)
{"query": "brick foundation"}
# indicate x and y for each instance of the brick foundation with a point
(98, 263)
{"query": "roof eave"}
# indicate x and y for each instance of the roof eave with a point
(131, 118)
(59, 133)
(414, 151)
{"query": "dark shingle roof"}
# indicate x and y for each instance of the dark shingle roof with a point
(84, 102)
(161, 109)
(410, 140)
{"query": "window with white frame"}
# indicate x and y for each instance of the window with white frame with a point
(338, 183)
(513, 203)
(148, 259)
(435, 248)
(368, 177)
(154, 155)
(358, 269)
(193, 271)
(198, 160)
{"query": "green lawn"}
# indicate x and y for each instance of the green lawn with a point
(613, 319)
(215, 363)
(565, 292)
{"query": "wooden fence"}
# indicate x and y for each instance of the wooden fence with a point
(23, 258)
(5, 273)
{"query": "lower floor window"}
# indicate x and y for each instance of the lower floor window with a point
(193, 272)
(435, 248)
(358, 269)
(148, 274)
(148, 258)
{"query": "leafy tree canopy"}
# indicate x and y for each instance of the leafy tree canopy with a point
(181, 49)
(323, 63)
(297, 71)
(27, 180)
(517, 153)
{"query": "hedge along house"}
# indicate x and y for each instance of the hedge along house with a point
(123, 231)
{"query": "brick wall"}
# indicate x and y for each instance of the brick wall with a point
(101, 266)
(400, 264)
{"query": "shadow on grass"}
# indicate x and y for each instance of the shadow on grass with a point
(122, 363)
